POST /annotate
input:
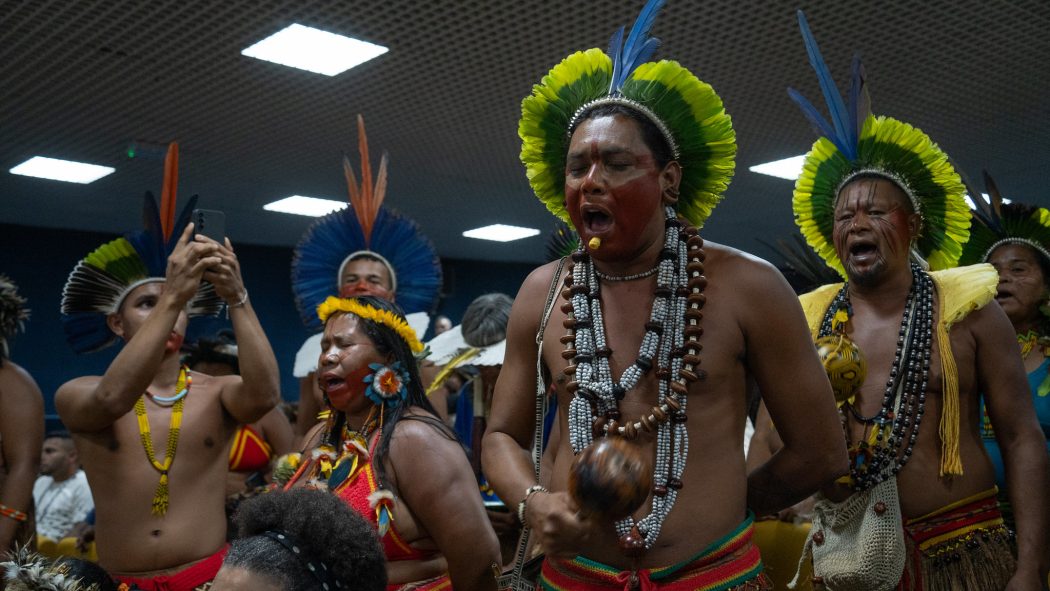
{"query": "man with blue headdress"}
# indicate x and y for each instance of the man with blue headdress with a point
(160, 520)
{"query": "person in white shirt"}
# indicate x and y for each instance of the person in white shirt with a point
(61, 494)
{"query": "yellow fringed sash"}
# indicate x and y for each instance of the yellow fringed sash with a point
(959, 292)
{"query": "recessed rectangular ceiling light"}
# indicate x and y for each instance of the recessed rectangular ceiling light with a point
(788, 168)
(314, 50)
(62, 170)
(501, 233)
(310, 206)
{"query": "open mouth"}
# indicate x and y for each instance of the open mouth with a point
(1002, 295)
(331, 382)
(596, 221)
(862, 250)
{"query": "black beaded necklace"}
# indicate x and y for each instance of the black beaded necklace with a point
(895, 433)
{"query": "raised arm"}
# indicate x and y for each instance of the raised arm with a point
(783, 361)
(437, 483)
(1007, 396)
(92, 404)
(22, 426)
(259, 389)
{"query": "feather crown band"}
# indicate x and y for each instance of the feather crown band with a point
(389, 319)
(365, 229)
(996, 223)
(102, 280)
(856, 144)
(13, 313)
(686, 111)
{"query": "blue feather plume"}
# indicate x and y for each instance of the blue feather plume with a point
(639, 47)
(843, 130)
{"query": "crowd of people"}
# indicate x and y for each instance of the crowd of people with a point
(594, 432)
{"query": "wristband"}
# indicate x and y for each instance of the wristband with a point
(12, 513)
(528, 493)
(242, 301)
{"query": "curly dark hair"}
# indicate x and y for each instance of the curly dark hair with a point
(329, 531)
(388, 342)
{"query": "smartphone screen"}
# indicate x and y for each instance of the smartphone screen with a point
(210, 223)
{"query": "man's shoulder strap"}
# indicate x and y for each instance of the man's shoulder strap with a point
(815, 305)
(964, 289)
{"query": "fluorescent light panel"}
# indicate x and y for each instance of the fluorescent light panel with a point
(309, 206)
(62, 170)
(788, 168)
(501, 233)
(314, 50)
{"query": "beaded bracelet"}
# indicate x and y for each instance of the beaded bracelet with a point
(242, 301)
(528, 493)
(12, 513)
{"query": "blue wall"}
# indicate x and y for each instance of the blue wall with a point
(40, 259)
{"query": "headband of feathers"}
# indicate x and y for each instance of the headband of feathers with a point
(686, 111)
(996, 222)
(13, 313)
(856, 143)
(366, 229)
(102, 280)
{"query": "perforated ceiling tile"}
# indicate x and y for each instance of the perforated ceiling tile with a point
(85, 79)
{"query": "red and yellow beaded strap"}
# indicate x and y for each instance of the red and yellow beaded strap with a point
(12, 513)
(160, 497)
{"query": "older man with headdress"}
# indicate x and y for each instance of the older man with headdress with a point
(365, 249)
(160, 518)
(653, 322)
(21, 427)
(907, 350)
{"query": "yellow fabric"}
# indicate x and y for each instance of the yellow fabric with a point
(959, 291)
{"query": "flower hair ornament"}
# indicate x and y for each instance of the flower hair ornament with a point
(855, 144)
(365, 229)
(387, 384)
(100, 282)
(686, 111)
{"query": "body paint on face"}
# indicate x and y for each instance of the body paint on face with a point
(873, 229)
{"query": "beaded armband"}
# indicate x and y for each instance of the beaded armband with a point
(12, 513)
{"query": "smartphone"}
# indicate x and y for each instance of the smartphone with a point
(210, 223)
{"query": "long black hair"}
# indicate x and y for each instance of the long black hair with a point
(389, 342)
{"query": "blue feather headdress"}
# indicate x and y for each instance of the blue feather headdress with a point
(102, 280)
(366, 228)
(855, 144)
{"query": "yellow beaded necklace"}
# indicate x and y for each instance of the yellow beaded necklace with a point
(182, 387)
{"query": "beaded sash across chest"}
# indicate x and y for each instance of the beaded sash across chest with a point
(893, 433)
(671, 345)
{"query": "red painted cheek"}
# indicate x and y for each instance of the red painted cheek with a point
(352, 389)
(174, 342)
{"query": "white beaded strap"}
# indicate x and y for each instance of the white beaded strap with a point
(522, 506)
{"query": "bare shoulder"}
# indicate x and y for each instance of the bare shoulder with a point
(534, 289)
(740, 269)
(14, 376)
(75, 387)
(419, 430)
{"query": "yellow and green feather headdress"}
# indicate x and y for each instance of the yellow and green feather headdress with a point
(855, 144)
(996, 223)
(686, 111)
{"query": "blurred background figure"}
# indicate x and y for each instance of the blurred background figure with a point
(28, 571)
(61, 496)
(21, 427)
(301, 540)
(441, 324)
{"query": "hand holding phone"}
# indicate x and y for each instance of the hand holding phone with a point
(210, 223)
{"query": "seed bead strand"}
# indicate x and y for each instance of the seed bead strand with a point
(909, 376)
(670, 342)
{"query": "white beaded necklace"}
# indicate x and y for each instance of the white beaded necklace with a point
(670, 342)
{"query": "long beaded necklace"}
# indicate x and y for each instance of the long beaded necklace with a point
(670, 342)
(160, 496)
(892, 440)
